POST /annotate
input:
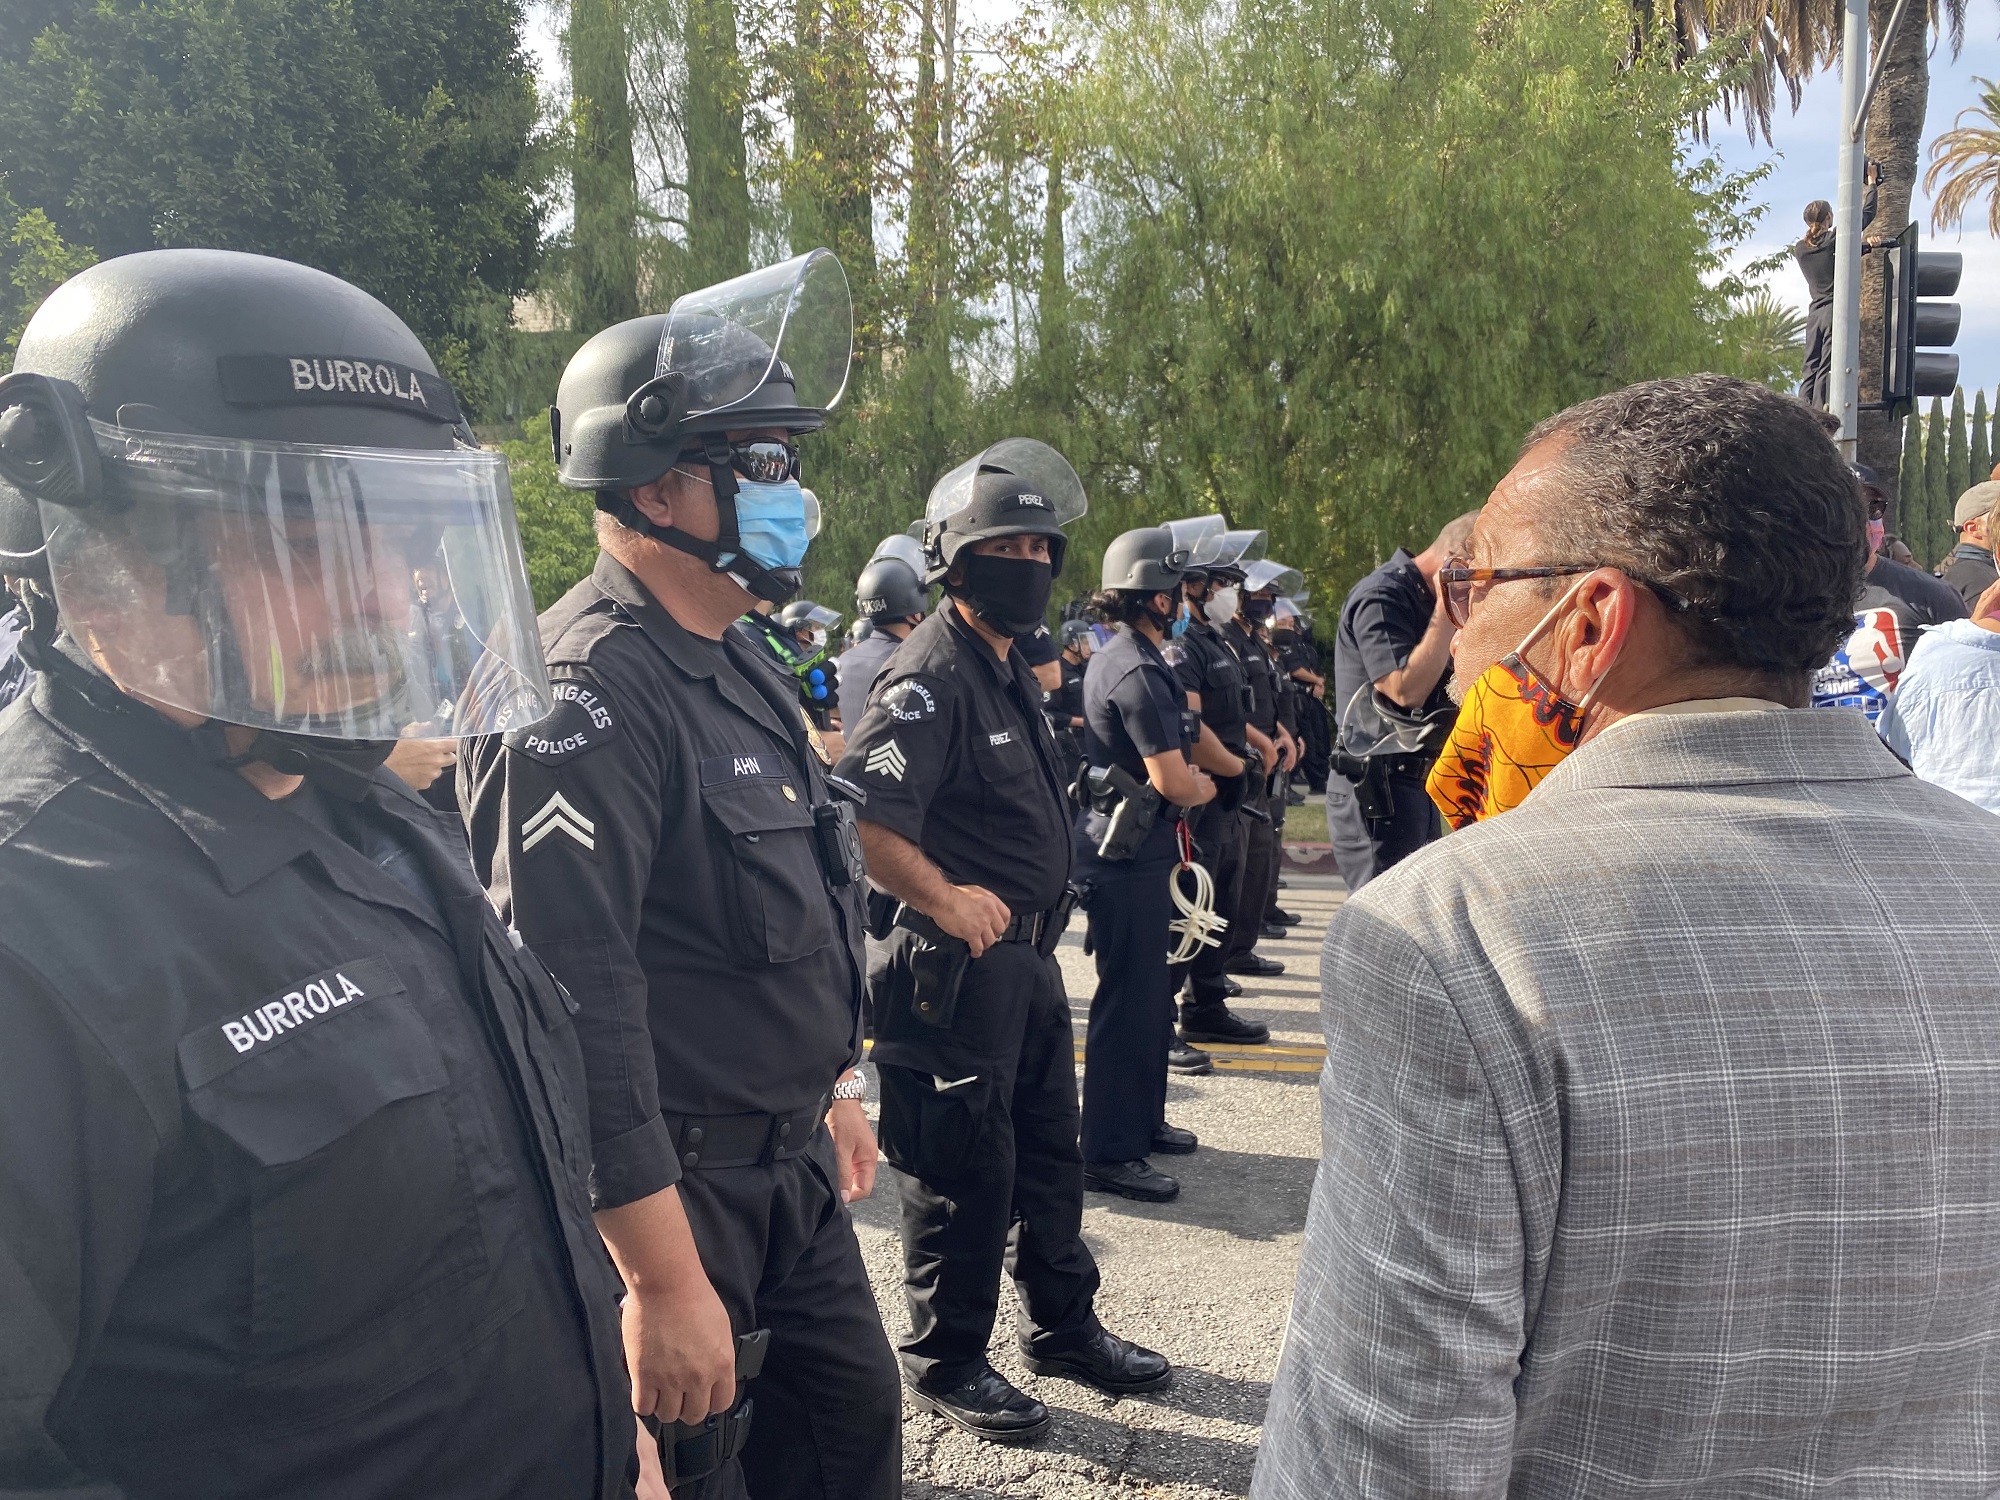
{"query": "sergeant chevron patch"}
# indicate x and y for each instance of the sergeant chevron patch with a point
(557, 815)
(886, 759)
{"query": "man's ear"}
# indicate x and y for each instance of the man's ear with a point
(654, 501)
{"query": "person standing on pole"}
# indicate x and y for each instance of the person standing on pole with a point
(1814, 253)
(966, 825)
(668, 843)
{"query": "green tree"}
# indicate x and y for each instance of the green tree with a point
(718, 179)
(396, 146)
(604, 266)
(1764, 339)
(36, 262)
(1937, 504)
(558, 529)
(1957, 454)
(1982, 440)
(1344, 255)
(1913, 499)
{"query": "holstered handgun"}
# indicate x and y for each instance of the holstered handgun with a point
(1132, 806)
(690, 1451)
(937, 963)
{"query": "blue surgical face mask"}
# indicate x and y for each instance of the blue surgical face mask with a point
(775, 522)
(1180, 626)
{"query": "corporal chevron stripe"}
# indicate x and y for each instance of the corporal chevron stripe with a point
(557, 815)
(887, 759)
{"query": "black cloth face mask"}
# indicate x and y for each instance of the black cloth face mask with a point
(1009, 593)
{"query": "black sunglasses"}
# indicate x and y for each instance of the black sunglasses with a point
(761, 461)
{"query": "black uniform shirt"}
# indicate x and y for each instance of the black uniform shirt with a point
(1133, 706)
(1208, 668)
(654, 840)
(292, 1151)
(954, 754)
(1260, 671)
(1066, 702)
(1381, 622)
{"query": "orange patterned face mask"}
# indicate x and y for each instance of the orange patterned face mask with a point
(1511, 731)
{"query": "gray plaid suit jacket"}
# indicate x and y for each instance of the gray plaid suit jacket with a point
(1661, 1140)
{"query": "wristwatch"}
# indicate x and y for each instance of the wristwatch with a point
(853, 1086)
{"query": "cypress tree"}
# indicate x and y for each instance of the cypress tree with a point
(1911, 501)
(1982, 442)
(1957, 456)
(1925, 544)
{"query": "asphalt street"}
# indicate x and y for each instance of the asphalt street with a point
(1206, 1280)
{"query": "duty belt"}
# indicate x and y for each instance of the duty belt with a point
(1042, 928)
(752, 1140)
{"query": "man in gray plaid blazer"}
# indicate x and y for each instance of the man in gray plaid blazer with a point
(1661, 1113)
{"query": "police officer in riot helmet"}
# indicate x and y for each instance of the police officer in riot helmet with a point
(1138, 738)
(1211, 666)
(291, 1138)
(966, 826)
(1066, 702)
(890, 595)
(1263, 808)
(1265, 585)
(669, 843)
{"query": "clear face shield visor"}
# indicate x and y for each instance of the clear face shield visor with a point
(346, 593)
(792, 322)
(1047, 483)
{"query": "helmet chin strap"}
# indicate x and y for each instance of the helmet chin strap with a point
(723, 555)
(345, 768)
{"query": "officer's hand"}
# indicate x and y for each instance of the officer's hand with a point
(652, 1478)
(681, 1352)
(420, 762)
(1204, 788)
(854, 1148)
(974, 914)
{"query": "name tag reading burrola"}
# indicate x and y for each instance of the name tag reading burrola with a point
(207, 1054)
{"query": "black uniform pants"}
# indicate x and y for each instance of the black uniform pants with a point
(1253, 893)
(779, 1248)
(1132, 1013)
(1409, 823)
(1317, 732)
(988, 1170)
(1816, 383)
(1278, 811)
(1218, 836)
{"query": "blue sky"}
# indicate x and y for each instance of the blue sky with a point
(1804, 149)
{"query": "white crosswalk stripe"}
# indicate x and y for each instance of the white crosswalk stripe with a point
(887, 759)
(557, 815)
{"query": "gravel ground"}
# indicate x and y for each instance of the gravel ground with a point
(1206, 1280)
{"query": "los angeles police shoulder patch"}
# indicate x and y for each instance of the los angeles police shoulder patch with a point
(582, 721)
(909, 701)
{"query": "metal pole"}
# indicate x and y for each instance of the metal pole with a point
(1875, 73)
(1846, 392)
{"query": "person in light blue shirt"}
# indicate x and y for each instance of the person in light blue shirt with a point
(1945, 716)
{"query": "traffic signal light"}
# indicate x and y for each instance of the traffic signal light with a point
(1914, 326)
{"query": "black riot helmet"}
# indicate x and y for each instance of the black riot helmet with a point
(803, 614)
(248, 495)
(766, 350)
(1017, 487)
(889, 589)
(1145, 561)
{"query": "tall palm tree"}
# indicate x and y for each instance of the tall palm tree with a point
(1782, 43)
(1966, 161)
